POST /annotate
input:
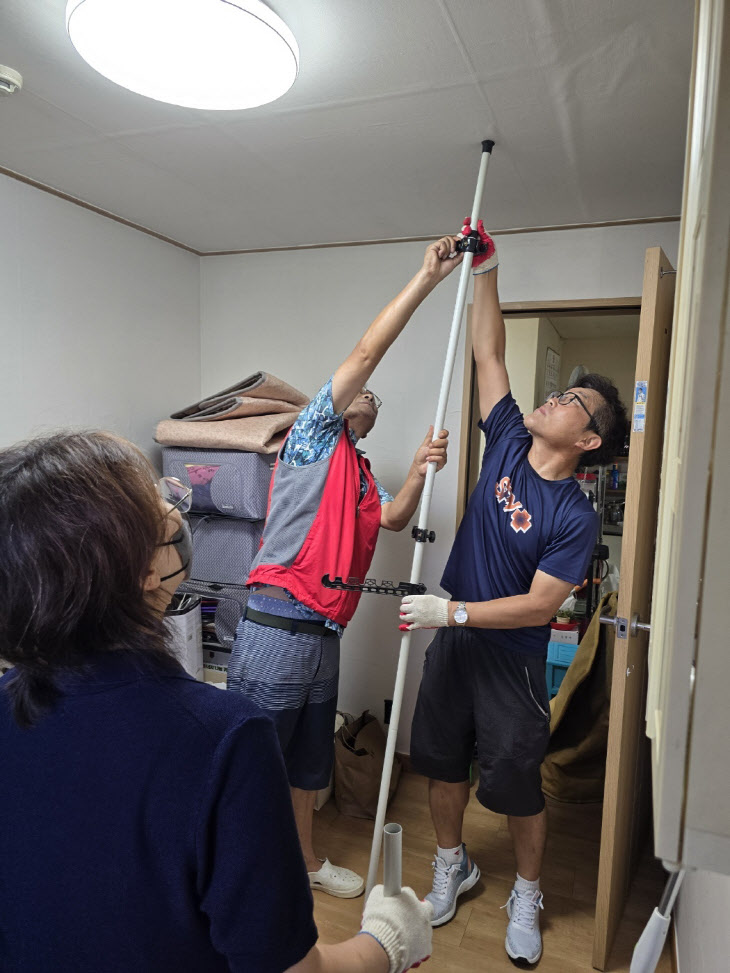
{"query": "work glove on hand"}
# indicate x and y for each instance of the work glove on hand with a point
(402, 926)
(423, 611)
(482, 262)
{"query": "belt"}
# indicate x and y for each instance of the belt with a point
(293, 625)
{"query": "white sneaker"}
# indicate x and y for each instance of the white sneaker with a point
(523, 940)
(449, 881)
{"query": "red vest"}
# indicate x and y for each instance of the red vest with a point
(340, 542)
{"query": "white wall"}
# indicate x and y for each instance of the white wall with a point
(700, 918)
(99, 323)
(298, 314)
(526, 346)
(520, 357)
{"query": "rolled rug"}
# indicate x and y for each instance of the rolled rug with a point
(261, 385)
(237, 407)
(255, 434)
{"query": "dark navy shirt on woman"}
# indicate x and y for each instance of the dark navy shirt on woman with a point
(147, 827)
(517, 523)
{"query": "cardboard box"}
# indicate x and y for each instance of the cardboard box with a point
(216, 657)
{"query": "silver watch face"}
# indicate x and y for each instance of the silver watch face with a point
(460, 616)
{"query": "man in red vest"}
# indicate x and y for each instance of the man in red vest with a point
(325, 511)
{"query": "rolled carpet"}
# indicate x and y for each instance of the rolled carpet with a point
(255, 434)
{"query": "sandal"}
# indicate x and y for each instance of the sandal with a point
(342, 882)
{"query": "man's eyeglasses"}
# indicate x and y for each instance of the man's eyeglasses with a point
(376, 399)
(175, 493)
(565, 398)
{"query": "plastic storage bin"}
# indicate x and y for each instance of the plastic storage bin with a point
(560, 655)
(228, 483)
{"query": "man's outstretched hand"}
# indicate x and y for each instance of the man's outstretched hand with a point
(423, 611)
(431, 451)
(441, 258)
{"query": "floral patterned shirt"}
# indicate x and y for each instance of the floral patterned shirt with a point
(315, 433)
(313, 437)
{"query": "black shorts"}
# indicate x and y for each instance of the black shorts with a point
(474, 691)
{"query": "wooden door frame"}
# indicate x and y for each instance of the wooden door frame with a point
(608, 305)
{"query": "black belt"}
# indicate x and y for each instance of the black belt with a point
(293, 625)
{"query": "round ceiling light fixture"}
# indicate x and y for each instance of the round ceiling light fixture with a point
(209, 54)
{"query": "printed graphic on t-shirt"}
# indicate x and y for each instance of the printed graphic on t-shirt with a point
(520, 520)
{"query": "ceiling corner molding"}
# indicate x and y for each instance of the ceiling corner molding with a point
(505, 231)
(434, 236)
(19, 177)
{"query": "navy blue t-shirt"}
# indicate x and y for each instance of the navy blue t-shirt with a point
(517, 523)
(147, 826)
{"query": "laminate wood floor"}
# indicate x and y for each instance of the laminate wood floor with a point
(474, 939)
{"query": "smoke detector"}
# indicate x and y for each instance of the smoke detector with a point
(10, 81)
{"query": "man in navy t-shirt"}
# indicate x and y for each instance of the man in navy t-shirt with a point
(525, 541)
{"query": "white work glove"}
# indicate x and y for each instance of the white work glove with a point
(402, 926)
(423, 611)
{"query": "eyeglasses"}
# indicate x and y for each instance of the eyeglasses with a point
(175, 493)
(377, 401)
(565, 398)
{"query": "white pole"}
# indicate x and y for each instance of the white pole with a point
(648, 950)
(405, 644)
(392, 859)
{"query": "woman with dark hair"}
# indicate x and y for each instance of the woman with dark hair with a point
(125, 781)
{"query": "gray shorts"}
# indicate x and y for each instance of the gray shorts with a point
(293, 679)
(476, 692)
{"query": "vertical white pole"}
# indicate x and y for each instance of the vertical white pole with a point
(392, 859)
(400, 677)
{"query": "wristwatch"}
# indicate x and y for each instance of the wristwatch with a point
(461, 616)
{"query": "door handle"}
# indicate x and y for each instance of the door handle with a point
(620, 624)
(637, 626)
(623, 628)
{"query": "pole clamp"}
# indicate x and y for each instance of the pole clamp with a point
(421, 535)
(472, 243)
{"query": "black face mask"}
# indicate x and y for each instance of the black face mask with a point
(182, 541)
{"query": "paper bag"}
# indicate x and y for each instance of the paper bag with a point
(359, 757)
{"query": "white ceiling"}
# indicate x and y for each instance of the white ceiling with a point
(380, 136)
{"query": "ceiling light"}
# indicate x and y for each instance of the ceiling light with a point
(213, 54)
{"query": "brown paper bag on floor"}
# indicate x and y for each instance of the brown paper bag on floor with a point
(359, 758)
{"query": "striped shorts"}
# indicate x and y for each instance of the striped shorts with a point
(293, 678)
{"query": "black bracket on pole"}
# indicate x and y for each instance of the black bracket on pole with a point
(471, 244)
(371, 586)
(421, 535)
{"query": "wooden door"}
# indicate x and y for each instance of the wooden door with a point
(626, 799)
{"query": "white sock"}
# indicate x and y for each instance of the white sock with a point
(522, 884)
(452, 856)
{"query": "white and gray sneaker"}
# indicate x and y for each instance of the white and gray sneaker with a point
(449, 881)
(523, 940)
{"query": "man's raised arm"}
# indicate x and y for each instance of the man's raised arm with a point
(488, 334)
(359, 365)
